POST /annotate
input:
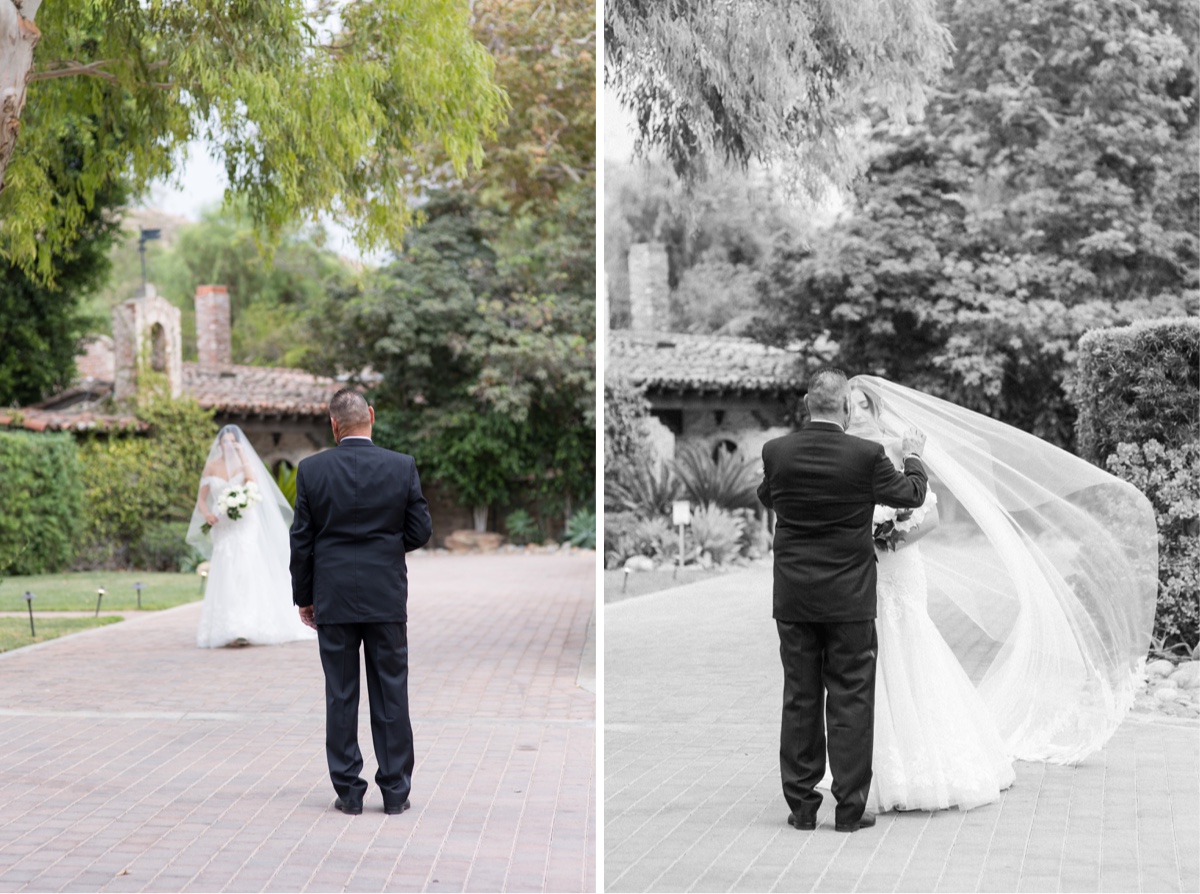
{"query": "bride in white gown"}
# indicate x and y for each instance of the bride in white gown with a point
(936, 746)
(248, 598)
(1055, 564)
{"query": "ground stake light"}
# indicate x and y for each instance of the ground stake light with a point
(100, 591)
(139, 586)
(203, 581)
(29, 597)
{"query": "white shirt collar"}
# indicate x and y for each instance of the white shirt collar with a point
(354, 438)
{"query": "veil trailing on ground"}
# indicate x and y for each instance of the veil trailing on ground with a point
(231, 459)
(1053, 559)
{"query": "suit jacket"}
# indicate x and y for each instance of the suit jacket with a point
(823, 485)
(359, 509)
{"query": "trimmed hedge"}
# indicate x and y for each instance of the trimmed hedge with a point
(1138, 394)
(41, 492)
(1137, 383)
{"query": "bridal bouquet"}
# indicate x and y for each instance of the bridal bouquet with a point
(233, 500)
(890, 526)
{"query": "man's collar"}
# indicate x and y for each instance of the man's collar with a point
(346, 438)
(828, 422)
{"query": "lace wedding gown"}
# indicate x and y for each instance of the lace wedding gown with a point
(249, 595)
(936, 744)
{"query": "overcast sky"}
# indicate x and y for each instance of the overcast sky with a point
(202, 186)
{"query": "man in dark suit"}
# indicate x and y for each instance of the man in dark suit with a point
(823, 486)
(359, 509)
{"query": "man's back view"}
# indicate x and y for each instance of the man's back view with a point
(359, 509)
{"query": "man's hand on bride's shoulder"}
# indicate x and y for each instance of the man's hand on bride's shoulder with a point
(914, 442)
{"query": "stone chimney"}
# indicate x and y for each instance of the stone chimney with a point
(146, 334)
(649, 287)
(212, 328)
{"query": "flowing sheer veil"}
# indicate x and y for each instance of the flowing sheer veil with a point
(1055, 560)
(268, 522)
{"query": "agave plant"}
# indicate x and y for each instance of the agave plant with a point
(728, 481)
(717, 532)
(645, 487)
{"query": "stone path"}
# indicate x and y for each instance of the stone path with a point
(133, 761)
(692, 687)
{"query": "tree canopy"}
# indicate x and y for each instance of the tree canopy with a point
(325, 107)
(1052, 188)
(713, 81)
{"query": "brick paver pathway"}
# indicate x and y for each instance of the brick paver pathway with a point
(692, 801)
(130, 760)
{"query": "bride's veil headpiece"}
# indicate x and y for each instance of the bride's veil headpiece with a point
(230, 455)
(1053, 559)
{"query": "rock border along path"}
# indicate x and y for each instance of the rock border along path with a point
(692, 688)
(134, 761)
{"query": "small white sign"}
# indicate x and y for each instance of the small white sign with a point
(681, 513)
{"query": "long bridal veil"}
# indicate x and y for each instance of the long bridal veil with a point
(1053, 559)
(231, 458)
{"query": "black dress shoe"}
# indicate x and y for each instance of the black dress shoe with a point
(350, 808)
(866, 821)
(802, 823)
(393, 809)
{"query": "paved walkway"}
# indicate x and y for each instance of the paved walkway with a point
(133, 761)
(692, 802)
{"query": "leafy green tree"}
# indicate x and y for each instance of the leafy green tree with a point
(271, 301)
(483, 326)
(713, 81)
(491, 386)
(1052, 188)
(310, 107)
(40, 322)
(718, 234)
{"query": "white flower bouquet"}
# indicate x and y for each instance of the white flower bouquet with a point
(890, 526)
(234, 500)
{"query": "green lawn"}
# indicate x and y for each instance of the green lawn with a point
(14, 632)
(76, 592)
(639, 583)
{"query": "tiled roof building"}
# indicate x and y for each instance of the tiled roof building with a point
(283, 411)
(723, 393)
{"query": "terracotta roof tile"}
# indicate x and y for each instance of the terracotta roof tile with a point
(679, 362)
(259, 389)
(39, 420)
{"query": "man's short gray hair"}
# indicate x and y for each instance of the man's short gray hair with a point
(828, 392)
(348, 408)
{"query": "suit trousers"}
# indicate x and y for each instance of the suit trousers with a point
(385, 648)
(835, 660)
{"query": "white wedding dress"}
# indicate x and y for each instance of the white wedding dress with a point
(249, 594)
(936, 744)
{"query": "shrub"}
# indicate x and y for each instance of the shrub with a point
(1136, 390)
(646, 487)
(286, 479)
(728, 482)
(1137, 383)
(162, 548)
(627, 535)
(40, 498)
(581, 529)
(522, 527)
(625, 408)
(131, 482)
(1170, 477)
(717, 532)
